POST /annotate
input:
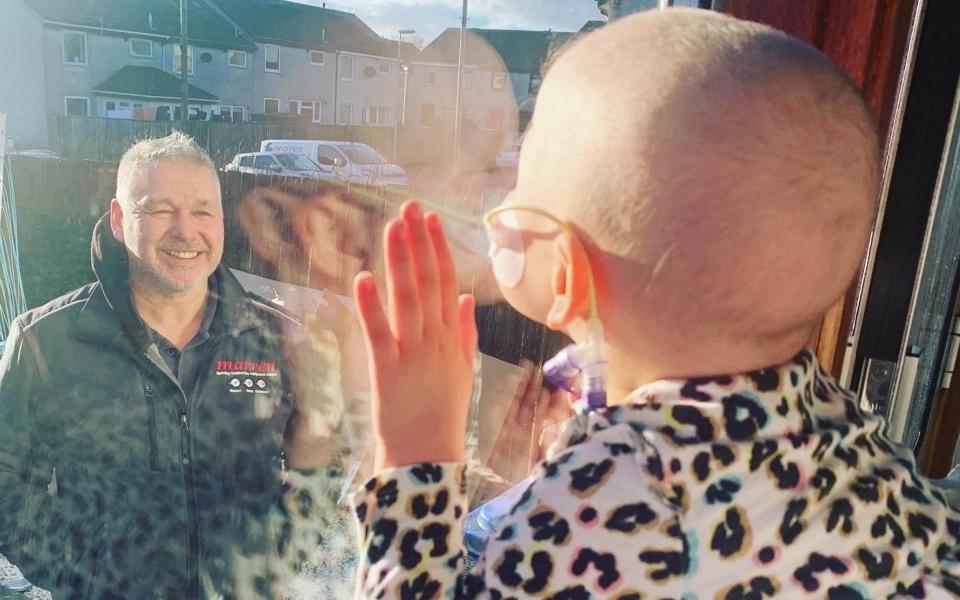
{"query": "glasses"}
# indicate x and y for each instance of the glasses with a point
(508, 234)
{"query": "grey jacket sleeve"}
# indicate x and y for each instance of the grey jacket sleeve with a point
(18, 375)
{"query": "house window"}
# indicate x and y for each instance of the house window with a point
(141, 48)
(74, 48)
(176, 59)
(271, 57)
(237, 58)
(346, 67)
(228, 112)
(345, 114)
(373, 115)
(271, 105)
(384, 66)
(76, 106)
(427, 114)
(316, 58)
(308, 109)
(430, 78)
(499, 81)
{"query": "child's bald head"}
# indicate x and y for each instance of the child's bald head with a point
(725, 172)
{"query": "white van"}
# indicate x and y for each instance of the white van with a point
(351, 161)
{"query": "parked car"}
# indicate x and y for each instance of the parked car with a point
(351, 161)
(288, 164)
(509, 155)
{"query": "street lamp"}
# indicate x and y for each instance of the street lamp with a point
(402, 105)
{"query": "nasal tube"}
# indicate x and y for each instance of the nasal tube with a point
(586, 361)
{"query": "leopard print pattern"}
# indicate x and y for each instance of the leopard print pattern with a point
(767, 484)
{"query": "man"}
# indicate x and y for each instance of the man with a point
(146, 418)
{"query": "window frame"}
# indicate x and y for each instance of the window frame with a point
(352, 67)
(266, 62)
(63, 48)
(267, 112)
(502, 76)
(66, 111)
(134, 54)
(381, 63)
(190, 57)
(244, 53)
(349, 108)
(426, 80)
(323, 58)
(230, 108)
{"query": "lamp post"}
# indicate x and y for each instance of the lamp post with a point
(184, 67)
(457, 119)
(402, 105)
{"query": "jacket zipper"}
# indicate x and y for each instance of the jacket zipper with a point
(154, 449)
(189, 486)
(193, 526)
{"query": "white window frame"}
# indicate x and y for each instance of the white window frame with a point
(242, 53)
(315, 105)
(323, 57)
(374, 115)
(266, 48)
(84, 98)
(63, 48)
(426, 78)
(349, 108)
(265, 111)
(502, 75)
(134, 54)
(230, 108)
(190, 55)
(353, 67)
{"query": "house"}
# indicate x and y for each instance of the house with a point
(113, 57)
(24, 103)
(326, 65)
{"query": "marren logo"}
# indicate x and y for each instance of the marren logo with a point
(247, 365)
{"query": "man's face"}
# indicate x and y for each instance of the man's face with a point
(171, 222)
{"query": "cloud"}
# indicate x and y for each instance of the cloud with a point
(431, 17)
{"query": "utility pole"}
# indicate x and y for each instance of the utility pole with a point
(457, 117)
(402, 88)
(184, 66)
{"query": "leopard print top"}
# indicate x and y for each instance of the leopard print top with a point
(772, 483)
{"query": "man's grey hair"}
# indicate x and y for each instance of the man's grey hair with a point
(176, 147)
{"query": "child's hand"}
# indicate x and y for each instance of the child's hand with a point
(421, 355)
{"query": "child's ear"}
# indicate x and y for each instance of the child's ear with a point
(570, 283)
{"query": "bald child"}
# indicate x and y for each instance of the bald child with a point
(724, 191)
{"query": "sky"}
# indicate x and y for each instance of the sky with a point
(430, 17)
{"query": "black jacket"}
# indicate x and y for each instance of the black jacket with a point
(118, 482)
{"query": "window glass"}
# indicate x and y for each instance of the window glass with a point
(328, 155)
(264, 162)
(296, 162)
(345, 114)
(346, 67)
(237, 58)
(164, 465)
(176, 59)
(74, 48)
(77, 106)
(272, 58)
(141, 48)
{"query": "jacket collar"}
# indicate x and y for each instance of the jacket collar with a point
(793, 400)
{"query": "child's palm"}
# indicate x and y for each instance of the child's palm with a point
(421, 349)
